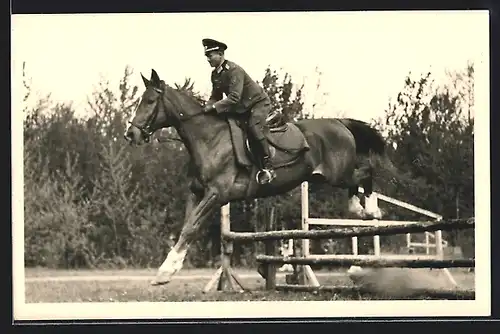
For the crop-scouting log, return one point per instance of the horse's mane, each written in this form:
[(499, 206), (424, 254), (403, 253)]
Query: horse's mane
[(187, 90)]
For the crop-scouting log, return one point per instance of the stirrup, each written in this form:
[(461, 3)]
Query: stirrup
[(265, 176)]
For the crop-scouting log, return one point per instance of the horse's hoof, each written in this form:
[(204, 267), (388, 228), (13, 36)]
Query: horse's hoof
[(158, 283), (161, 279), (358, 214), (373, 215), (356, 211)]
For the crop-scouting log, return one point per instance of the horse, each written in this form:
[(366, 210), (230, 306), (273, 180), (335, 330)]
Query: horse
[(341, 152)]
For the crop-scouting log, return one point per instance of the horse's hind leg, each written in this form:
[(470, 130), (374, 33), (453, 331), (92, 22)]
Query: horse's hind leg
[(371, 205), (359, 175), (354, 204)]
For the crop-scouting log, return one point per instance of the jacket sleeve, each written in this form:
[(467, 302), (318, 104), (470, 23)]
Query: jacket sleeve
[(215, 96), (236, 79)]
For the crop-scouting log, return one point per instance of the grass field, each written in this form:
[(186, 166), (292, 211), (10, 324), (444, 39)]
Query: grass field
[(55, 286)]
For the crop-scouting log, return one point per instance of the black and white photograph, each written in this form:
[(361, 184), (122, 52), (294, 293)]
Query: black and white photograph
[(250, 165)]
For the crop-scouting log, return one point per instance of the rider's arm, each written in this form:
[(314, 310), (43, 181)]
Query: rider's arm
[(236, 79), (215, 96)]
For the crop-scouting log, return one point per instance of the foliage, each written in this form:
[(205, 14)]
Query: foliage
[(93, 201), (432, 132), (282, 95)]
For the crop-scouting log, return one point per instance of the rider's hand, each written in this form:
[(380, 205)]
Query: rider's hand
[(208, 108)]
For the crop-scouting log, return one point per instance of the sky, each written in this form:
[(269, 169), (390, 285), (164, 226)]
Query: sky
[(363, 56)]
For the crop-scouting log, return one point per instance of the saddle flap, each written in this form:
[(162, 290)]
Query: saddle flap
[(287, 139), (238, 139)]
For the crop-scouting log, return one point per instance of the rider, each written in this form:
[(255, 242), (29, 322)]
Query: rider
[(242, 95)]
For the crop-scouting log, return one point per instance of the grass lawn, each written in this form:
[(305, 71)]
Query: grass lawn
[(54, 286)]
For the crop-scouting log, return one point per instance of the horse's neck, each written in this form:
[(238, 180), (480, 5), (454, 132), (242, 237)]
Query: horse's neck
[(201, 135)]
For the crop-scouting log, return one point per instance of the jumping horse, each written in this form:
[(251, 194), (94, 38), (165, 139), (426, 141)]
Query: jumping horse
[(341, 152)]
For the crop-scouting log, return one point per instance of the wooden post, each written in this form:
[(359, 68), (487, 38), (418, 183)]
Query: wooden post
[(354, 241), (376, 238), (303, 249), (271, 249), (439, 244), (427, 243), (304, 273), (376, 245), (226, 248), (440, 256), (224, 276)]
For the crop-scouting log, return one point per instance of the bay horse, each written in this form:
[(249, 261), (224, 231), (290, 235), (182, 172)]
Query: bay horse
[(340, 152)]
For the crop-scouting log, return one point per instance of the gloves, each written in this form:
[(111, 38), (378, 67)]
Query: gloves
[(208, 108)]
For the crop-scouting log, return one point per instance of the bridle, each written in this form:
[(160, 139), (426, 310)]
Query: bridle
[(147, 129)]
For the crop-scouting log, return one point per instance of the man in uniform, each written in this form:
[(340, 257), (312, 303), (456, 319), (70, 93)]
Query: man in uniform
[(242, 95)]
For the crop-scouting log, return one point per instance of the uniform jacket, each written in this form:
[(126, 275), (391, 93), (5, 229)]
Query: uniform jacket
[(241, 91)]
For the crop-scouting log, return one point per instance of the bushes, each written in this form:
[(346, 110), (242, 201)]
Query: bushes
[(93, 201)]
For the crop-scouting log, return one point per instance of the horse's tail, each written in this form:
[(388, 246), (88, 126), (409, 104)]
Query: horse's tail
[(368, 140), (370, 143)]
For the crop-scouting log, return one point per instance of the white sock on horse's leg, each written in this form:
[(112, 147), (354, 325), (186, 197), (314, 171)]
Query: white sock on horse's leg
[(354, 206), (371, 207), (174, 260), (172, 265)]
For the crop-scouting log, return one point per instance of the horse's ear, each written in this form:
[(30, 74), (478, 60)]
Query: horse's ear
[(155, 78), (146, 81)]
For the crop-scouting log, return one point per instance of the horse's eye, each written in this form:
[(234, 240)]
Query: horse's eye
[(151, 101)]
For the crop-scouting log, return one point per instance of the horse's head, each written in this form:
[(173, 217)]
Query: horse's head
[(151, 113), (160, 106)]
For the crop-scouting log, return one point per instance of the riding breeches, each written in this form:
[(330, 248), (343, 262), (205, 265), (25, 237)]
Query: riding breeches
[(257, 120)]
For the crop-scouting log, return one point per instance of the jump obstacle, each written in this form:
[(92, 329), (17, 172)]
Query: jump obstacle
[(304, 278)]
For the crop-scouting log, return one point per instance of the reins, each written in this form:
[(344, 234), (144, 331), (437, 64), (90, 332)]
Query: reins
[(147, 129)]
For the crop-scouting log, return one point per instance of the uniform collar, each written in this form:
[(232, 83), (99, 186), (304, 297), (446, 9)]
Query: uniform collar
[(221, 67)]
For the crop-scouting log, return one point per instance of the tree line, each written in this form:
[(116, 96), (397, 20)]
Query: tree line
[(91, 200)]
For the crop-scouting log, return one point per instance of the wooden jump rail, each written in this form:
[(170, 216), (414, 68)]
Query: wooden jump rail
[(371, 261), (305, 273), (348, 232), (227, 279)]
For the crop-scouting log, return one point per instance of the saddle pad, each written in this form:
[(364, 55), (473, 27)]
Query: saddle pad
[(289, 144)]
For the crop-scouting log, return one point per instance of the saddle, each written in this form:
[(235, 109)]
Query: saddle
[(286, 142)]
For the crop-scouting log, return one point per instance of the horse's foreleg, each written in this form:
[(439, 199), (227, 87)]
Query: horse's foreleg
[(190, 232)]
